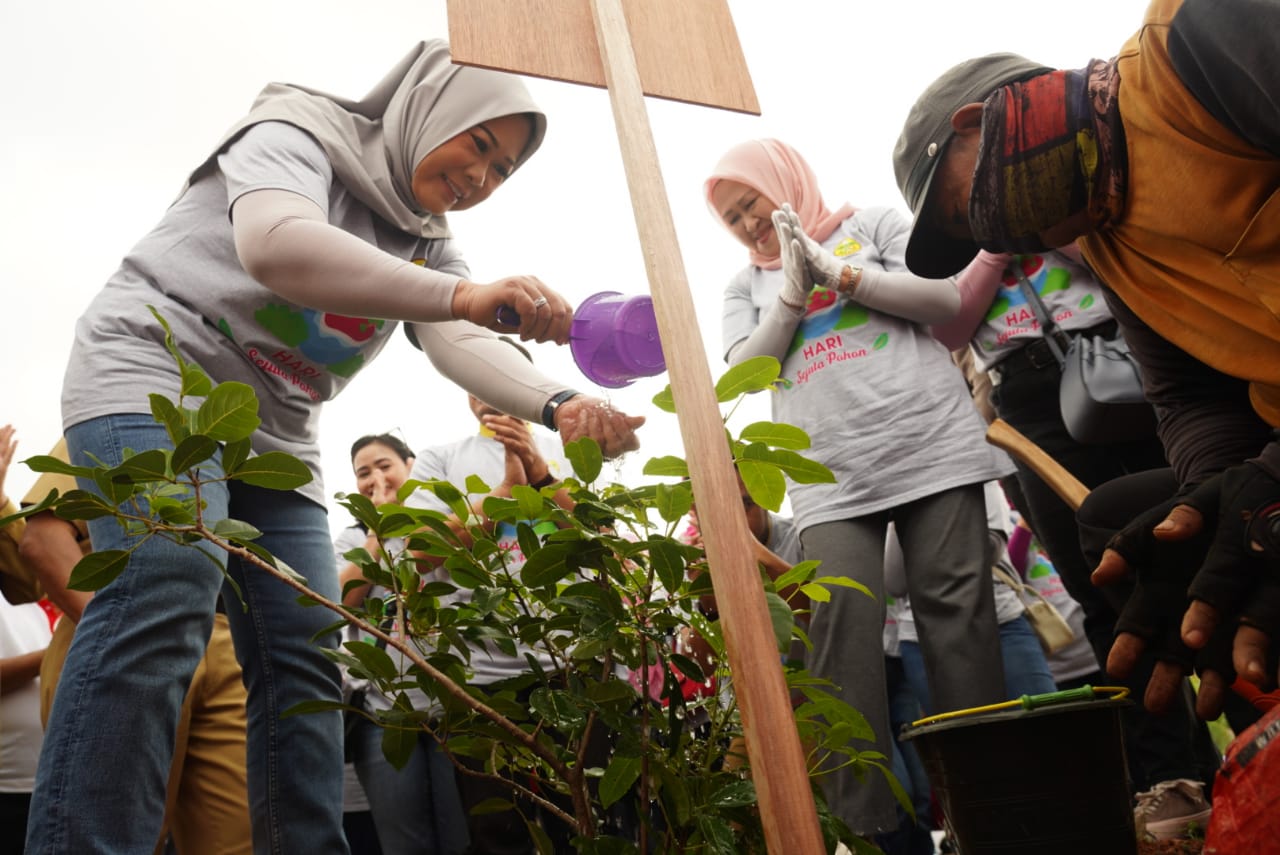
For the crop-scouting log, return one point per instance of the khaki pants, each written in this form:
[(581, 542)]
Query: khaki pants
[(207, 805)]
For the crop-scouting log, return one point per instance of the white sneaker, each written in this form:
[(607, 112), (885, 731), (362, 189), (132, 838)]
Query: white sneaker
[(1172, 809)]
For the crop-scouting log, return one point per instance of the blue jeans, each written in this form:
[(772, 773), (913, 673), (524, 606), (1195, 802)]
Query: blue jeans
[(100, 785), (417, 810), (1026, 672)]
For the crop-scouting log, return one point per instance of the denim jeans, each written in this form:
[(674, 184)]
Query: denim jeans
[(417, 810), (1026, 672), (101, 780)]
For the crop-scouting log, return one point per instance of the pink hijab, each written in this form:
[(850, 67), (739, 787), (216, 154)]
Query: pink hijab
[(779, 172)]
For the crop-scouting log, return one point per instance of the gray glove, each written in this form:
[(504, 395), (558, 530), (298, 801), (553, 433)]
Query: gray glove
[(824, 268), (797, 282)]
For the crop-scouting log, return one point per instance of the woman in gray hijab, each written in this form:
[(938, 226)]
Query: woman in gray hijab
[(286, 262)]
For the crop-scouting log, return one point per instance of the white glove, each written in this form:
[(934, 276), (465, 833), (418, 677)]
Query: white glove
[(824, 268), (797, 282)]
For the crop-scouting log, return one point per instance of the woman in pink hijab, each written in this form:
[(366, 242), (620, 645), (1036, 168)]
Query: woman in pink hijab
[(828, 294)]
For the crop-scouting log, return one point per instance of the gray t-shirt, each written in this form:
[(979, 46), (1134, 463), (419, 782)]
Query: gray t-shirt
[(884, 406), (1071, 296), (235, 328)]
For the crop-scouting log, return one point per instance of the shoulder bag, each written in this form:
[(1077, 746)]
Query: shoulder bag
[(1100, 392)]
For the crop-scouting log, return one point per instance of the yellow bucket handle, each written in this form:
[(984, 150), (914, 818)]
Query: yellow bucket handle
[(1030, 702)]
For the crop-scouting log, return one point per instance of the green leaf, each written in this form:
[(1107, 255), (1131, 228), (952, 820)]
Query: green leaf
[(229, 413), (799, 469), (235, 530), (148, 466), (665, 401), (398, 745), (172, 511), (373, 658), (527, 538), (718, 834), (782, 617), (175, 420), (234, 454), (816, 593), (193, 451), (114, 485), (751, 375), (274, 470), (546, 566), (667, 467), (97, 569), (736, 794), (764, 483), (32, 510), (799, 572), (195, 383), (585, 456), (168, 336), (843, 582), (674, 500), (557, 708), (675, 792), (621, 773), (689, 667), (668, 562), (490, 806), (776, 435), (528, 500), (45, 463), (83, 505)]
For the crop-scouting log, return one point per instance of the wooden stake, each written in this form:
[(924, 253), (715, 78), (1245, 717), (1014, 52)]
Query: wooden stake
[(773, 745)]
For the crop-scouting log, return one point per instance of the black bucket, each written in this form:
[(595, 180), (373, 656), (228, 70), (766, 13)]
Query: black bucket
[(1046, 777)]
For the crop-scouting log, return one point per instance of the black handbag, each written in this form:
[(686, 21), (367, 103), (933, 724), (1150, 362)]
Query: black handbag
[(1100, 392)]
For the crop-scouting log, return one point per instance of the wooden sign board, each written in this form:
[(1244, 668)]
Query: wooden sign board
[(685, 50)]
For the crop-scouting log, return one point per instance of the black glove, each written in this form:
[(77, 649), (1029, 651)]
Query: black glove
[(1164, 570), (1241, 574)]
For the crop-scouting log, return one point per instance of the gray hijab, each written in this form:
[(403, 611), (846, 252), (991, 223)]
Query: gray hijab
[(375, 143)]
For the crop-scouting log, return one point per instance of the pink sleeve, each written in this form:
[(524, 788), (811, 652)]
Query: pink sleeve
[(1019, 541), (977, 285)]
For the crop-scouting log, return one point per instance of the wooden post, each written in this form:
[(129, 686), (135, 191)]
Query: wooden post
[(777, 761), (685, 50)]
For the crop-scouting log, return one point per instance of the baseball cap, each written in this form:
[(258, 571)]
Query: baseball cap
[(924, 138)]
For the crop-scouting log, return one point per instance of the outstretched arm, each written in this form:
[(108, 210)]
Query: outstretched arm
[(977, 285)]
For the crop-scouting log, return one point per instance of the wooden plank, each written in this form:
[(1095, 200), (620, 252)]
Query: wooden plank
[(773, 745), (685, 50)]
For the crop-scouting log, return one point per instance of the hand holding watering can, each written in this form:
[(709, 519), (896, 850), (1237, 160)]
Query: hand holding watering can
[(613, 337)]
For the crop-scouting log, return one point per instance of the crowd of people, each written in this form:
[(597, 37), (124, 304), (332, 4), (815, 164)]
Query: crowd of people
[(1134, 195)]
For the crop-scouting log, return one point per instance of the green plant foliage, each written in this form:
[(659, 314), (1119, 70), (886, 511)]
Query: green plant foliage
[(601, 590)]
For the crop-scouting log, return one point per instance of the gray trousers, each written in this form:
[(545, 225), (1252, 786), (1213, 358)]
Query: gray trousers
[(948, 559)]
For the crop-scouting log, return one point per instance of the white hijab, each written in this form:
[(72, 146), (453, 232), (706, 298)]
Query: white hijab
[(375, 143)]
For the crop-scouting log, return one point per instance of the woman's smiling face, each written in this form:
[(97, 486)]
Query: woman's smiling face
[(380, 472), (463, 171), (748, 214)]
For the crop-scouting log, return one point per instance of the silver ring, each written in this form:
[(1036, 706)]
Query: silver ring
[(540, 302)]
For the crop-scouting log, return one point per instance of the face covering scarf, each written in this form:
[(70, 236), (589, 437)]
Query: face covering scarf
[(1051, 147)]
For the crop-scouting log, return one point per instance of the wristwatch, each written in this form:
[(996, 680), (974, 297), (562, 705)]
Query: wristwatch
[(549, 409)]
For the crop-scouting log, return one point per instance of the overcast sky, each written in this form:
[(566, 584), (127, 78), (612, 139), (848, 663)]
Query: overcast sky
[(109, 105)]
